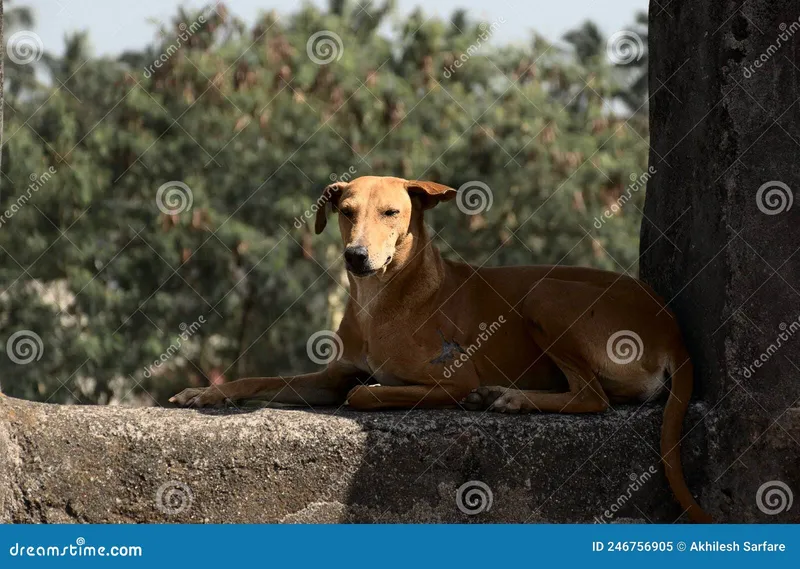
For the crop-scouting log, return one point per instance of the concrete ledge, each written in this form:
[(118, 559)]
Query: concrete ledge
[(105, 464)]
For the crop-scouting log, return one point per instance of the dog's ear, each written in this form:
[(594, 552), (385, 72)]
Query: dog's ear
[(330, 195), (429, 193)]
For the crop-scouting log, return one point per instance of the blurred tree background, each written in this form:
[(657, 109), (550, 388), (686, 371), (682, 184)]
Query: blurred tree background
[(249, 124)]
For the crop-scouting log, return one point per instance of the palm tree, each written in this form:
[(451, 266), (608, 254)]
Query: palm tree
[(589, 47), (20, 77), (587, 41), (635, 95)]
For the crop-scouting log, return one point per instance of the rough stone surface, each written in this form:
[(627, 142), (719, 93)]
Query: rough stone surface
[(721, 128), (106, 464)]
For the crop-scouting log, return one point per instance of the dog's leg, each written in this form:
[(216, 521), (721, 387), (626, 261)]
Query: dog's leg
[(584, 396), (327, 387), (566, 320), (405, 397)]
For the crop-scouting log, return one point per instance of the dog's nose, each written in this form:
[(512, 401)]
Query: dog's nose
[(356, 258)]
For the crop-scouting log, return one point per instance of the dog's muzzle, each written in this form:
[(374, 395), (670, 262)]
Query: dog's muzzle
[(356, 259)]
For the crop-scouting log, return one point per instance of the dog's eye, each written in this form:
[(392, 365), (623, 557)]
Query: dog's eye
[(391, 212), (348, 213)]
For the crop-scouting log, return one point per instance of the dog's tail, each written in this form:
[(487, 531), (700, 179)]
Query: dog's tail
[(682, 380)]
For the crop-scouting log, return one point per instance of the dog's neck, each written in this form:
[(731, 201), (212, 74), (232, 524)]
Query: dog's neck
[(414, 281)]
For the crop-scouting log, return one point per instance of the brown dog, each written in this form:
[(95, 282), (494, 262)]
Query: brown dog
[(435, 333)]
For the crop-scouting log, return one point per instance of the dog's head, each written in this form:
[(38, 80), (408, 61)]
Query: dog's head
[(380, 219)]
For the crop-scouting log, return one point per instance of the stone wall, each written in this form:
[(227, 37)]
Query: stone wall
[(105, 464)]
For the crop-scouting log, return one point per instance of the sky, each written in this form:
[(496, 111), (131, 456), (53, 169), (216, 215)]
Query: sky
[(119, 25)]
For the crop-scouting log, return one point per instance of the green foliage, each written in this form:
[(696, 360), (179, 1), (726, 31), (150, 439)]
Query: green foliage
[(255, 128)]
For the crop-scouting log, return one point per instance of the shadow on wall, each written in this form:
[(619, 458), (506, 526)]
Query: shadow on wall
[(460, 467)]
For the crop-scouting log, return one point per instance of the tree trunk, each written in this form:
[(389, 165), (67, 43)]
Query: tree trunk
[(720, 238)]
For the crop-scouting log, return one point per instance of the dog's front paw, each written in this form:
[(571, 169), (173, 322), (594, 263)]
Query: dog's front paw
[(198, 397), (494, 398), (359, 398), (186, 396)]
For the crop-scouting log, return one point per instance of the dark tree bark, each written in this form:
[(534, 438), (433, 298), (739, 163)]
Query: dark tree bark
[(721, 238)]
